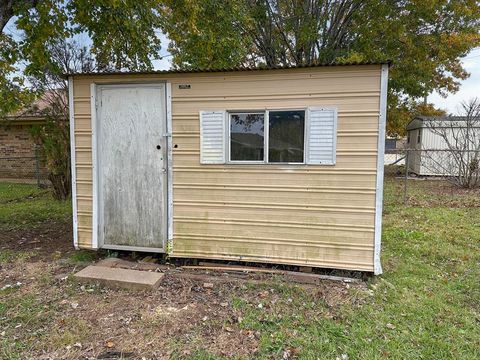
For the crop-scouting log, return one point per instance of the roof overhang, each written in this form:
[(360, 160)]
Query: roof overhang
[(230, 69)]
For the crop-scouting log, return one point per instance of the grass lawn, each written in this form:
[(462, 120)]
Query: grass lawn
[(23, 206), (426, 305)]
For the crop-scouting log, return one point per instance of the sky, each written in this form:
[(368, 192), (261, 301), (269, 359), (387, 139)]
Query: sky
[(469, 88)]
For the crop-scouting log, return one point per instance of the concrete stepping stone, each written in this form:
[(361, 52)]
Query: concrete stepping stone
[(120, 278)]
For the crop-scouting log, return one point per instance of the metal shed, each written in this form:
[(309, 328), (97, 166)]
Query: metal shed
[(429, 153), (280, 165)]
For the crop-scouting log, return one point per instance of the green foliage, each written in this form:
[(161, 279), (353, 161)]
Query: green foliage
[(208, 32), (425, 39), (54, 138), (123, 34)]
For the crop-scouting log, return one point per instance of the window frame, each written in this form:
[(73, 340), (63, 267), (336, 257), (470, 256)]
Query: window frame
[(266, 134)]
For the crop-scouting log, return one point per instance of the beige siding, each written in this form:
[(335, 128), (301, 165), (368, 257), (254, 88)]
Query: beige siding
[(293, 214)]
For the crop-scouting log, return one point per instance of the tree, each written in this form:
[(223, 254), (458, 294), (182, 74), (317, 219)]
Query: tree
[(425, 39), (123, 34), (405, 111), (459, 159), (54, 136)]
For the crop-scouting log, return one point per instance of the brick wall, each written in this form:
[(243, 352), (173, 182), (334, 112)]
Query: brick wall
[(17, 153)]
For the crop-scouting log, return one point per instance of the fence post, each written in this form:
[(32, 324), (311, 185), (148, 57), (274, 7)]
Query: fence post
[(406, 178), (37, 167)]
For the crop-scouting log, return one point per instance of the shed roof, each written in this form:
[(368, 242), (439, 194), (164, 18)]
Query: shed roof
[(423, 121), (230, 69)]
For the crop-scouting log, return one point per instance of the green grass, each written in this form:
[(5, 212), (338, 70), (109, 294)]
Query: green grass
[(426, 305), (24, 206), (80, 257)]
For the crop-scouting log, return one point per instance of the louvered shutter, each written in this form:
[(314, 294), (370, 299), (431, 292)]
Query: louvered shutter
[(212, 137), (321, 136)]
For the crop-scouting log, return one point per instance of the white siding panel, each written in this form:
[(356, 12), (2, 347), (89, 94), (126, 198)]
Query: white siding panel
[(321, 136), (212, 137)]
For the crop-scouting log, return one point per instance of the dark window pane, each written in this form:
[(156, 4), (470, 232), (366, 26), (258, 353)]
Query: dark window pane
[(286, 136), (246, 137)]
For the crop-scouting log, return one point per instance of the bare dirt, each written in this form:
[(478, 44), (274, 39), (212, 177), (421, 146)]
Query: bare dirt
[(44, 241), (47, 315)]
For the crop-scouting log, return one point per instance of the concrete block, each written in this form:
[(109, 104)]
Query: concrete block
[(120, 278)]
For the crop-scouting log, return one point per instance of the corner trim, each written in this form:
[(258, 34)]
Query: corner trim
[(93, 111), (73, 170), (377, 266), (168, 105)]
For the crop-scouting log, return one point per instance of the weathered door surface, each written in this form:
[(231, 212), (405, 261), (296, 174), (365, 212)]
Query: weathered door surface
[(131, 166)]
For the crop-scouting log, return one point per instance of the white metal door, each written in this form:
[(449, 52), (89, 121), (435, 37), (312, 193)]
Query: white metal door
[(131, 166)]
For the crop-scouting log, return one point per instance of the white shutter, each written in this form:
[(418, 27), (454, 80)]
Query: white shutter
[(321, 136), (212, 137)]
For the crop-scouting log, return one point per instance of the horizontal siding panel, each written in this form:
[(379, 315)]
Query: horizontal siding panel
[(83, 140), (287, 179), (278, 215), (293, 230), (297, 207), (84, 221), (368, 106), (258, 241), (84, 173), (307, 198), (320, 257), (85, 205)]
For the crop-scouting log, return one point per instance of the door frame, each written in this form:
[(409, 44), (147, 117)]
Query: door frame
[(97, 241)]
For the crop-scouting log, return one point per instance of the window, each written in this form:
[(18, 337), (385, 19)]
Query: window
[(286, 136), (296, 136), (419, 136), (285, 142), (247, 136)]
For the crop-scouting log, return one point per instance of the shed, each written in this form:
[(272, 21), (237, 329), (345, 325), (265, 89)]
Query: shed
[(429, 153), (281, 165)]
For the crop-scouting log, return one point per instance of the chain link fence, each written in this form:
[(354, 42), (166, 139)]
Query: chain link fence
[(429, 178), (24, 170)]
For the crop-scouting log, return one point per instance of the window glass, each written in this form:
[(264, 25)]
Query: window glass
[(286, 136), (246, 137)]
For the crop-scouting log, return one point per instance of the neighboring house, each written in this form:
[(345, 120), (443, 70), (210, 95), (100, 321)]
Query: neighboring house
[(20, 159), (18, 153), (430, 154), (281, 165)]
